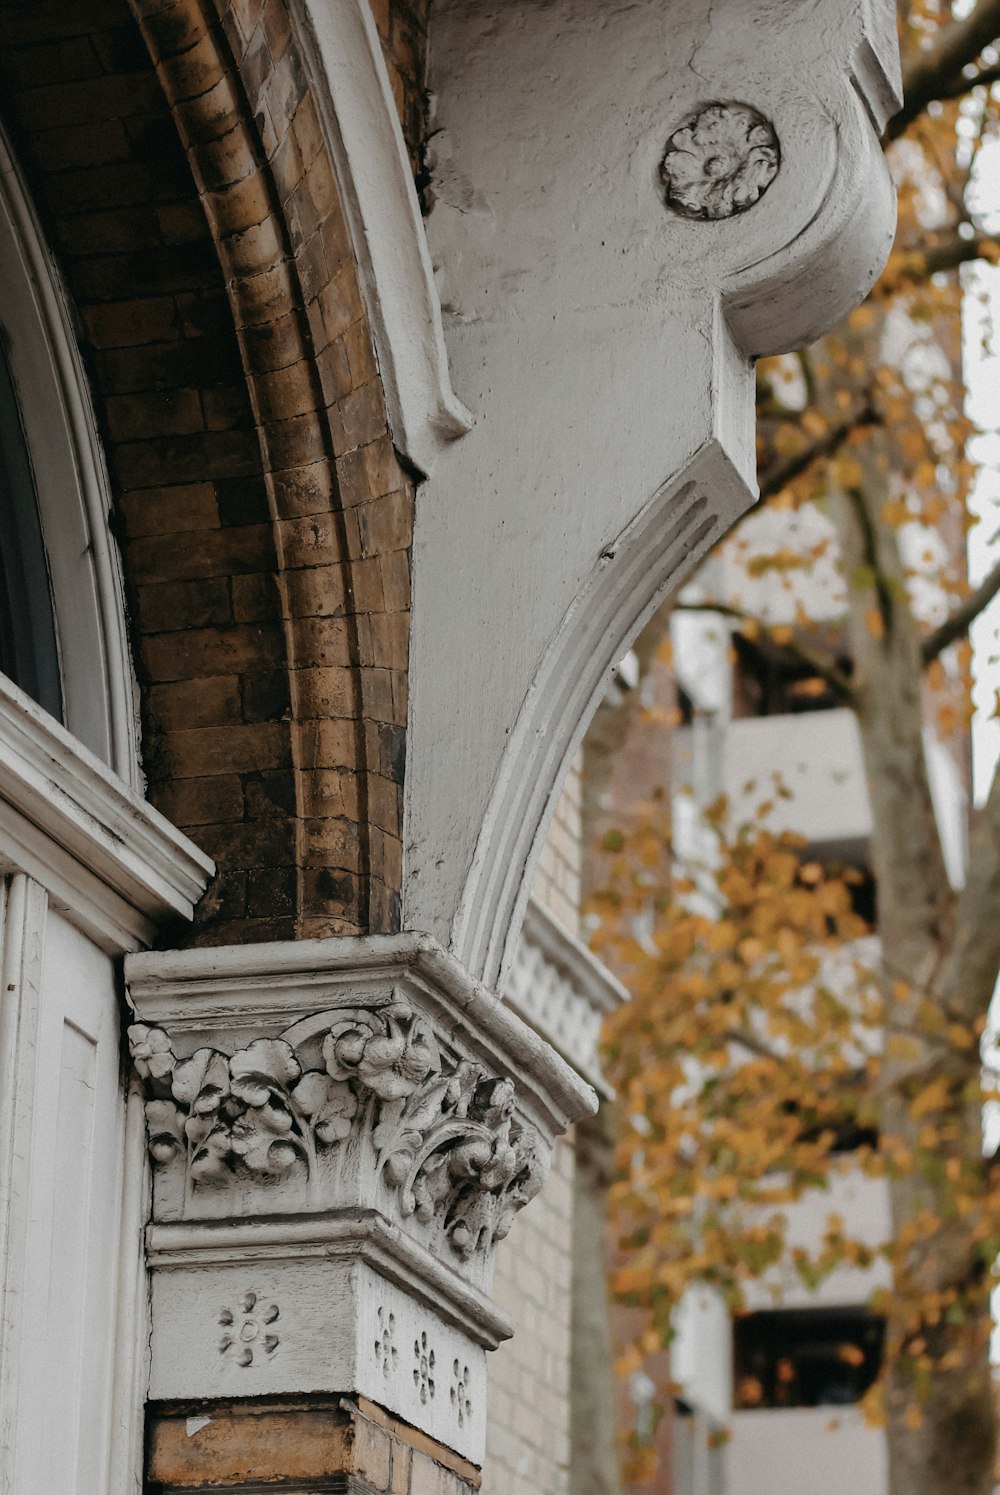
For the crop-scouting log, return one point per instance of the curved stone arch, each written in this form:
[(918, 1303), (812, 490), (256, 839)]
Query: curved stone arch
[(72, 487), (349, 78), (761, 282), (271, 196)]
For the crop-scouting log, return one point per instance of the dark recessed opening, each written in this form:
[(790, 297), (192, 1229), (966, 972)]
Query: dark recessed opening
[(812, 1357)]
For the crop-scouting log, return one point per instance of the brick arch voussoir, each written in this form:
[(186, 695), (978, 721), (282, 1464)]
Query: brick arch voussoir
[(340, 505)]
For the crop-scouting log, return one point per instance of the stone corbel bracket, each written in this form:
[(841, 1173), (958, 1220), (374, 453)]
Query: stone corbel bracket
[(633, 200), (340, 1131)]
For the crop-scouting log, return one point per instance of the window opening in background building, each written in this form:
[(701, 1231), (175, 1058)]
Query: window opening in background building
[(29, 653), (769, 680), (810, 1357)]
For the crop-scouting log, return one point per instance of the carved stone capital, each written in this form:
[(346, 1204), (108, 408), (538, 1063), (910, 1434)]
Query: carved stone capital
[(340, 1133)]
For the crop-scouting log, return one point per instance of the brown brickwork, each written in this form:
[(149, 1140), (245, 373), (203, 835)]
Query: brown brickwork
[(319, 1444), (265, 521), (403, 27)]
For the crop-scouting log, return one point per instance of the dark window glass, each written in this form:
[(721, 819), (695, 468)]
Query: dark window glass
[(769, 680), (815, 1357), (28, 652)]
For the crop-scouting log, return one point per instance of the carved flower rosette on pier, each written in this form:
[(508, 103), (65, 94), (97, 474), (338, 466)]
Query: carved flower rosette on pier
[(358, 1107)]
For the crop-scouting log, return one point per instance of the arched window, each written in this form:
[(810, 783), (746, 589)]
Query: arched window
[(63, 637), (29, 654)]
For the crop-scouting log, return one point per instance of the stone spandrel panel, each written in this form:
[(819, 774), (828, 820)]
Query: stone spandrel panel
[(340, 1133)]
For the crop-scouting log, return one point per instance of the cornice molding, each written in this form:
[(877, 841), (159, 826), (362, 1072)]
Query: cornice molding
[(364, 1235), (247, 989), (106, 856)]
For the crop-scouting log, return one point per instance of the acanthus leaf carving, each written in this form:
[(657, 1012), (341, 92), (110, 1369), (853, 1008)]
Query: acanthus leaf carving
[(393, 1110)]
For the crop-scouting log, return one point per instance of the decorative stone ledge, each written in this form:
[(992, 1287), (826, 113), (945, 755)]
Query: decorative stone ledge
[(562, 991), (96, 846), (341, 1131)]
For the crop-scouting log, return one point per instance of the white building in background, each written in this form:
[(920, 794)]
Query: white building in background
[(782, 1383)]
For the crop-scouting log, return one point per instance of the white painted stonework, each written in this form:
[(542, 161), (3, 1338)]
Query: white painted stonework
[(604, 343), (341, 45), (563, 992), (341, 1130), (88, 871)]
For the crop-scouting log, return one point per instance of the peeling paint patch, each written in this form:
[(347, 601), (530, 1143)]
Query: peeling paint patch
[(195, 1425)]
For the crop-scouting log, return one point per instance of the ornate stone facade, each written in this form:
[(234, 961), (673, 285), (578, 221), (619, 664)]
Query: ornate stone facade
[(238, 349), (340, 1134)]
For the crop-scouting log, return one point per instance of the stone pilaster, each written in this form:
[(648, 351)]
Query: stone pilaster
[(341, 1131)]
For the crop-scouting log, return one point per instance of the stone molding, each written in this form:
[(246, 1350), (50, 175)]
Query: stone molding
[(351, 84), (341, 1130), (562, 991), (345, 1099), (94, 844)]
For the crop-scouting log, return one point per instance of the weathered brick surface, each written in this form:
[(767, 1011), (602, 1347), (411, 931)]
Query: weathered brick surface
[(181, 172), (403, 27), (299, 1447)]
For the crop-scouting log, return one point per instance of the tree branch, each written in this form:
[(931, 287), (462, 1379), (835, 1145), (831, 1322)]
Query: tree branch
[(785, 471), (962, 618), (913, 266), (825, 665), (932, 73), (975, 956), (960, 86)]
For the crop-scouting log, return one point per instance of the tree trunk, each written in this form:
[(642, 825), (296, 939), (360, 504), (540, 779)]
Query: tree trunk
[(940, 1413)]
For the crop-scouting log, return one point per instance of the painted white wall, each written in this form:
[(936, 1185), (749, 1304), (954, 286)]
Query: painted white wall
[(61, 1277), (805, 1451), (701, 1361), (818, 756)]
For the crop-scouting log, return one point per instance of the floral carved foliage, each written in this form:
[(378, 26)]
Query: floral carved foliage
[(391, 1104), (720, 161)]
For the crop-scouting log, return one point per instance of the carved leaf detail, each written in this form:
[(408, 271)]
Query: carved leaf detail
[(442, 1134), (264, 1067), (211, 1157), (165, 1128), (202, 1082), (390, 1052), (262, 1138), (330, 1106)]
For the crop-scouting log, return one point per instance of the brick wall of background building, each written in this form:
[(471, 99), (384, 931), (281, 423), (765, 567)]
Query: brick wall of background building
[(527, 1446), (557, 882), (527, 1443)]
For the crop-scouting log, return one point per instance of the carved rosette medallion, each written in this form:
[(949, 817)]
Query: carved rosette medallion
[(720, 161), (372, 1109)]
